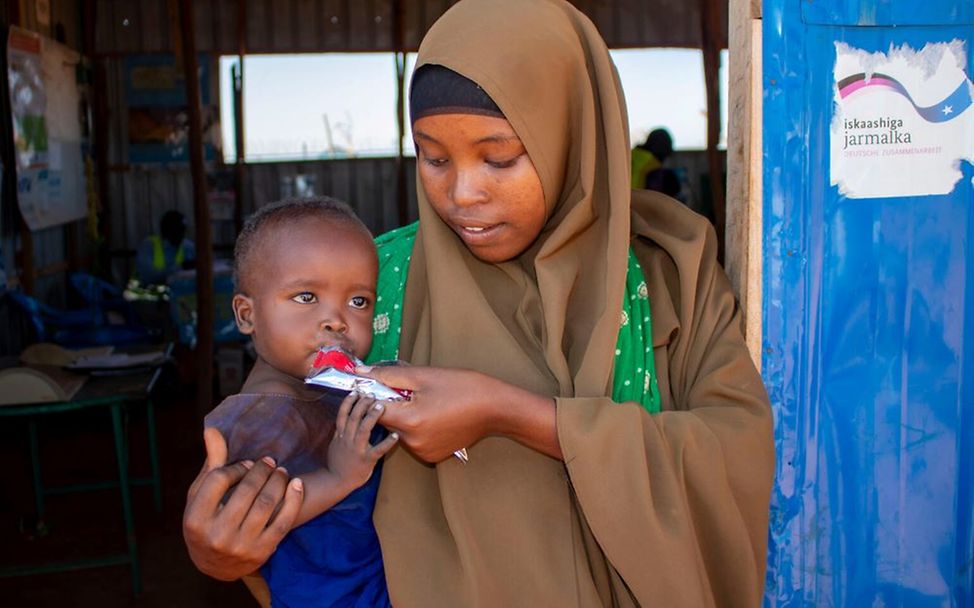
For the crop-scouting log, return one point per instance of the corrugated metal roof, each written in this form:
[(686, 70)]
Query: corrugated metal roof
[(294, 26)]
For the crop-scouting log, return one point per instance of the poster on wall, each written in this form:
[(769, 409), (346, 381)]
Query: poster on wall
[(158, 118), (902, 122), (44, 102)]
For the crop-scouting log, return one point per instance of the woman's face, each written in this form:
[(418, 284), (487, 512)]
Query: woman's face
[(480, 181)]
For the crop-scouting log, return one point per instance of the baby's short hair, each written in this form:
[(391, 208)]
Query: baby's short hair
[(283, 212)]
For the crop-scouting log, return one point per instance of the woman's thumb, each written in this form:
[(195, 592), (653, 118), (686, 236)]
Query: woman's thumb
[(390, 375), (216, 448)]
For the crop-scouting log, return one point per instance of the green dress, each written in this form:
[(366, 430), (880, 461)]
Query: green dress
[(634, 375)]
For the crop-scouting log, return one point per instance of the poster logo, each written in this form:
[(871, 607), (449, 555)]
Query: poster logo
[(902, 120), (948, 109)]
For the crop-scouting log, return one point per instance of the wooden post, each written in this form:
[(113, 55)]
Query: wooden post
[(402, 197), (204, 248), (711, 43), (71, 246), (238, 117), (744, 167), (99, 136), (25, 258)]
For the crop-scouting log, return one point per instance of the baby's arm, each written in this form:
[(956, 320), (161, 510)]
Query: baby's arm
[(351, 458)]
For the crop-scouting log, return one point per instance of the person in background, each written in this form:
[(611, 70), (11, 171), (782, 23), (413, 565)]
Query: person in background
[(648, 160), (160, 255)]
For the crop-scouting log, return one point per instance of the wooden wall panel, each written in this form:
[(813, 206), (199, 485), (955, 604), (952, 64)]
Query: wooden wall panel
[(744, 169), (138, 195)]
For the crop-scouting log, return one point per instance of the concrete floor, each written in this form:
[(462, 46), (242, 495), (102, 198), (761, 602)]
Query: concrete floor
[(76, 449)]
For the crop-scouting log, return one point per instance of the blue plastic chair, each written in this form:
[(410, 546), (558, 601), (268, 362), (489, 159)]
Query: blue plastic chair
[(102, 297), (76, 328)]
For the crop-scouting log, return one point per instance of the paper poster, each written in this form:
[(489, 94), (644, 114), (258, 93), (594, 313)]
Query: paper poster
[(903, 121), (158, 120), (44, 103)]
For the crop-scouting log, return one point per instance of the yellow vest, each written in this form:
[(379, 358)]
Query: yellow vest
[(643, 162), (159, 256)]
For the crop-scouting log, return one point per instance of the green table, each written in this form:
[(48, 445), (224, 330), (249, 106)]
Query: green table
[(117, 393)]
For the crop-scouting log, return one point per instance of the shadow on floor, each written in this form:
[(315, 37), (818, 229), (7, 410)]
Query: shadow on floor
[(78, 449)]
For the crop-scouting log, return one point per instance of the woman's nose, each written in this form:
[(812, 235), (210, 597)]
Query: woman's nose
[(468, 188)]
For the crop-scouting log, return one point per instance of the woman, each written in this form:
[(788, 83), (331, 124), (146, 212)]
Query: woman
[(531, 265)]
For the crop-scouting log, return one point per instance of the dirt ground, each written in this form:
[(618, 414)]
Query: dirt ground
[(78, 448)]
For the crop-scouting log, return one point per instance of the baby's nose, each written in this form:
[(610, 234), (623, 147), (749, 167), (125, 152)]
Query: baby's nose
[(334, 325)]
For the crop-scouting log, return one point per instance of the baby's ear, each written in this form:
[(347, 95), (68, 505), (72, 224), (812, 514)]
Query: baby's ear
[(243, 312)]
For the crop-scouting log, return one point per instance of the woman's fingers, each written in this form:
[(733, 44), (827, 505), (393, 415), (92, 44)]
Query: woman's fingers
[(248, 487), (398, 415), (204, 499), (216, 448), (204, 526), (282, 523), (216, 457), (395, 376), (266, 501)]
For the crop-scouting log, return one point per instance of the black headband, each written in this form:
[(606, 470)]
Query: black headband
[(439, 90)]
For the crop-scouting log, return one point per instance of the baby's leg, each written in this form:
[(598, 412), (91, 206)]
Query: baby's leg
[(258, 588)]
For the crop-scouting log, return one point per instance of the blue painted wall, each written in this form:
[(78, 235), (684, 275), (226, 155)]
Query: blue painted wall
[(868, 336)]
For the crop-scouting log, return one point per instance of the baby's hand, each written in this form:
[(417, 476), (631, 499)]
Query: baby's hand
[(351, 457)]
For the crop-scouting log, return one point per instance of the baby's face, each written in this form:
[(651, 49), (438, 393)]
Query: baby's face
[(312, 284)]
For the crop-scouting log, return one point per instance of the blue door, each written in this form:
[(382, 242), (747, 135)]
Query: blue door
[(868, 337)]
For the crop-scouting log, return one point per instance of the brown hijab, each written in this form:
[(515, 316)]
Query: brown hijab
[(538, 321)]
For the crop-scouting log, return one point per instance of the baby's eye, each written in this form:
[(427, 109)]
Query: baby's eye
[(359, 302), (305, 297)]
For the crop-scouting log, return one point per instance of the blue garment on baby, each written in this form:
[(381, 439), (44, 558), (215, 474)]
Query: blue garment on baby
[(333, 560)]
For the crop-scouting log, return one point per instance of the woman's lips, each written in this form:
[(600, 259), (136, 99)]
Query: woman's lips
[(478, 234)]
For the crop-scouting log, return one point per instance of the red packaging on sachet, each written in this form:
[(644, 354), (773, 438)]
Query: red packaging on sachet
[(334, 368)]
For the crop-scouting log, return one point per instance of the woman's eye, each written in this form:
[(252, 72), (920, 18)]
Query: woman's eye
[(434, 162), (305, 297), (359, 302), (503, 164)]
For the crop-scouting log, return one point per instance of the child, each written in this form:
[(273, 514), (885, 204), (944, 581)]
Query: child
[(305, 274)]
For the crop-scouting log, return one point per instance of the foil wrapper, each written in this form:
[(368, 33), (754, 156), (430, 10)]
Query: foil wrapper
[(343, 381), (334, 369)]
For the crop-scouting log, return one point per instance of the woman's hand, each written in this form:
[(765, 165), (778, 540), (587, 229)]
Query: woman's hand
[(227, 541), (452, 409)]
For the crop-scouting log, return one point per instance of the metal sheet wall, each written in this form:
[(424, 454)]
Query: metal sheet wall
[(140, 195), (292, 26)]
